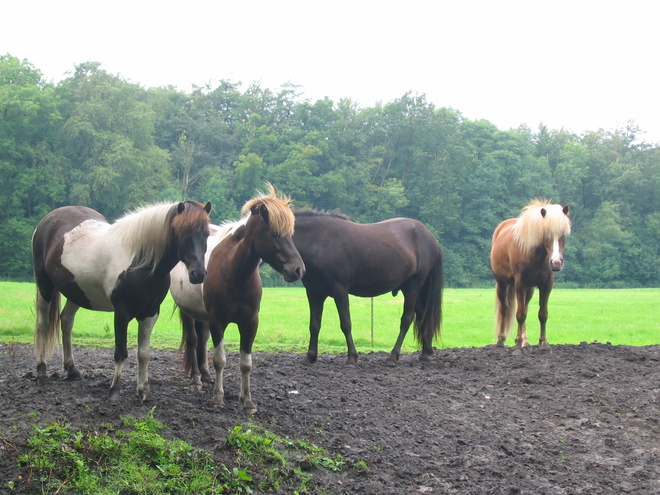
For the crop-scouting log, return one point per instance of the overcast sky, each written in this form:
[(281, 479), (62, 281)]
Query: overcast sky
[(578, 65)]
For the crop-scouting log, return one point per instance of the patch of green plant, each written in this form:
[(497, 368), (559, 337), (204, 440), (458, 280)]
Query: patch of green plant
[(131, 459), (274, 459)]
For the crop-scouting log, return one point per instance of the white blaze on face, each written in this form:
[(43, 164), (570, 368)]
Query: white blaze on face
[(555, 257)]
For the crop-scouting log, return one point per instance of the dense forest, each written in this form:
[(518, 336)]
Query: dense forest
[(98, 140)]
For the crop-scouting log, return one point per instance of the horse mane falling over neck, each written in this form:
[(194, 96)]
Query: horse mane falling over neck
[(280, 216), (147, 231), (539, 221)]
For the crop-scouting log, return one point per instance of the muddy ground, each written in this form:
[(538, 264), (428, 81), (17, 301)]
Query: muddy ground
[(580, 419)]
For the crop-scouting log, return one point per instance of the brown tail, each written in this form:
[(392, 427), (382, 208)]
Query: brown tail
[(188, 342), (504, 323)]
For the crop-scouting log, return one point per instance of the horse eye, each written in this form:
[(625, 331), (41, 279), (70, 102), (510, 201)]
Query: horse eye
[(275, 234)]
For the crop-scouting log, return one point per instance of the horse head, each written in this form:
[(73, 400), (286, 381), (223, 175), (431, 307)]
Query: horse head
[(273, 221), (555, 239), (190, 226)]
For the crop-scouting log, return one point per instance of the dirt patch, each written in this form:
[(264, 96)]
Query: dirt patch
[(580, 419)]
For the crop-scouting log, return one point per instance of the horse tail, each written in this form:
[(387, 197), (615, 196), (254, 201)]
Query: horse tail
[(46, 342), (504, 323), (188, 342), (428, 315)]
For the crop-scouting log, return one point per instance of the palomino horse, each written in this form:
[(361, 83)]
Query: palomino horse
[(342, 257), (122, 267), (527, 252), (232, 290)]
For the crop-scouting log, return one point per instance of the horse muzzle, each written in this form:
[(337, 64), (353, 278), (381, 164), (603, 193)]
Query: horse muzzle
[(556, 265), (196, 276), (293, 274)]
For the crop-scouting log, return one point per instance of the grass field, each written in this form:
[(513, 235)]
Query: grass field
[(618, 316)]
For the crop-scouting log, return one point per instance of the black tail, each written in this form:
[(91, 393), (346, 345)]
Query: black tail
[(428, 312)]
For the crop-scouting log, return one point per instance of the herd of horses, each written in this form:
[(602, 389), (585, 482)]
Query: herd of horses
[(212, 272)]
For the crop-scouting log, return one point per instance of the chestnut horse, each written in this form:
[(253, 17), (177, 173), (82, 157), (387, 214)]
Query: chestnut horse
[(342, 257), (122, 267), (232, 291), (526, 253)]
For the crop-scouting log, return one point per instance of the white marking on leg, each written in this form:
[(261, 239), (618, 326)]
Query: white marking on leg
[(143, 354), (246, 369), (219, 362)]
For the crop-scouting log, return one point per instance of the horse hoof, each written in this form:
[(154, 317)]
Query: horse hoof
[(206, 378), (250, 410), (73, 376), (42, 381), (146, 397), (115, 396), (544, 348), (196, 383), (308, 361)]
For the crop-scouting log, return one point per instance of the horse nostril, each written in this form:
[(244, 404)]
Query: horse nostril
[(298, 271)]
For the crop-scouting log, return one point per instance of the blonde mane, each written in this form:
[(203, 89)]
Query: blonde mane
[(146, 232), (280, 216), (533, 228)]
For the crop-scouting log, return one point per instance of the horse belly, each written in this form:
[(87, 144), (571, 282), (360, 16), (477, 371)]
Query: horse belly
[(187, 296)]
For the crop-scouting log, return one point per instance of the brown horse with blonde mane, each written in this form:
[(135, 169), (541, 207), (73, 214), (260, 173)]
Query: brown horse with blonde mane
[(526, 253), (232, 290)]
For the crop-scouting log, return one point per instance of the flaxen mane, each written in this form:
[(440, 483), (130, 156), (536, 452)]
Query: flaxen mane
[(533, 228), (280, 216), (146, 232)]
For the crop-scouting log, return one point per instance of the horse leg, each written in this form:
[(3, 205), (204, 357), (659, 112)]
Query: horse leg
[(67, 318), (121, 352), (406, 321), (248, 332), (316, 302), (544, 296), (503, 291), (523, 296), (217, 330), (145, 326), (203, 334), (344, 311), (190, 348)]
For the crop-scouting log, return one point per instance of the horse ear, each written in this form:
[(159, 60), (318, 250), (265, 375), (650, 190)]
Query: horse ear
[(207, 207), (543, 212), (565, 209), (180, 207), (263, 211)]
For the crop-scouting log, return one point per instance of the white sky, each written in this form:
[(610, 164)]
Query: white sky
[(578, 65)]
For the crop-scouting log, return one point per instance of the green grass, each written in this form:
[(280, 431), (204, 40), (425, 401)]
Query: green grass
[(618, 316)]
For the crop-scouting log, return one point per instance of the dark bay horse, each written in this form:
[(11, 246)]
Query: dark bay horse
[(526, 253), (232, 290), (122, 267), (342, 257)]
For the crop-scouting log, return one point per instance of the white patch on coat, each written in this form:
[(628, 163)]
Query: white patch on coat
[(95, 260)]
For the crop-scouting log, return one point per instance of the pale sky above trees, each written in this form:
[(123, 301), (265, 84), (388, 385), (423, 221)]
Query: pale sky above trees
[(578, 65)]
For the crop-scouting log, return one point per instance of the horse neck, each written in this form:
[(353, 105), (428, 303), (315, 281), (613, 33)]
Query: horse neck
[(168, 261), (242, 257)]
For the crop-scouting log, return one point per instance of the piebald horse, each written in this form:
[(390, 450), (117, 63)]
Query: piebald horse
[(526, 253), (122, 267), (232, 290)]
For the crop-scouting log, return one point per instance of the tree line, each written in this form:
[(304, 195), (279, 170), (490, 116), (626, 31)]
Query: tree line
[(98, 140)]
